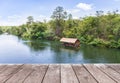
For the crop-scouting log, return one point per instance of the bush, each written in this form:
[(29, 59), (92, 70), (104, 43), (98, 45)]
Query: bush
[(56, 38), (25, 36), (113, 44), (99, 42), (95, 42), (110, 37), (82, 40), (1, 32), (118, 46)]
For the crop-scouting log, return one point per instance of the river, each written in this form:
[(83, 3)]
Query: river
[(14, 50)]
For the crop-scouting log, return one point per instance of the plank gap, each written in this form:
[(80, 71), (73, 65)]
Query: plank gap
[(27, 76), (9, 74), (75, 74), (98, 74), (112, 67), (45, 74), (90, 73), (113, 77)]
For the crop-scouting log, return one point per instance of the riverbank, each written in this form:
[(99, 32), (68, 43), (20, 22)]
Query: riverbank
[(94, 42)]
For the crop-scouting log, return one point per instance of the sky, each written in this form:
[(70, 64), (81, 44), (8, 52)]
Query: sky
[(15, 12)]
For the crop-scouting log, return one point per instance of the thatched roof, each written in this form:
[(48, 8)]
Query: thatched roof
[(69, 40)]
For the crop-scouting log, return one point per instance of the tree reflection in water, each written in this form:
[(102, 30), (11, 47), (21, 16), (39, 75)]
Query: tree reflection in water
[(36, 45)]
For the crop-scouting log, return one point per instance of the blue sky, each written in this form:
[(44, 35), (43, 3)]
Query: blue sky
[(15, 12)]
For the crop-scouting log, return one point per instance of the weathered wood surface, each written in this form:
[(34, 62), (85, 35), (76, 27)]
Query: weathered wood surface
[(52, 74), (68, 75), (60, 73), (83, 75)]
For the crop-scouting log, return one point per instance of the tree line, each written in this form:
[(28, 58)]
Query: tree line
[(99, 30)]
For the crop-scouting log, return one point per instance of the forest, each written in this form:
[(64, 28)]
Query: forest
[(102, 30)]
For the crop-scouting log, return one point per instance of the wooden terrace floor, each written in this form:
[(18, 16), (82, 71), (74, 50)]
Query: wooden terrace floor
[(60, 73)]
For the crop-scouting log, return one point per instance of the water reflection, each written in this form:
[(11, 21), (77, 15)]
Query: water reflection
[(15, 50), (100, 55), (36, 45)]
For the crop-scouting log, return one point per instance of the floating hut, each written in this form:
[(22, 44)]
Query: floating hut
[(73, 42)]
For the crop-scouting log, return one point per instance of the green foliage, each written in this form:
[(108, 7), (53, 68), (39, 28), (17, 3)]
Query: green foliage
[(118, 46), (99, 42), (58, 16), (59, 13), (82, 40), (35, 31), (100, 30), (113, 43), (1, 31)]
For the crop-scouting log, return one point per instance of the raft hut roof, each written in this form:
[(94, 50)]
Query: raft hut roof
[(69, 40)]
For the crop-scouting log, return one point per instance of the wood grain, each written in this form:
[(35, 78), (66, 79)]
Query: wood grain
[(68, 75), (37, 75), (110, 72), (83, 75), (60, 73), (52, 74), (98, 75), (8, 72), (21, 75)]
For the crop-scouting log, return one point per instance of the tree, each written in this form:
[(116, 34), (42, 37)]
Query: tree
[(99, 13), (59, 15), (70, 17), (30, 19)]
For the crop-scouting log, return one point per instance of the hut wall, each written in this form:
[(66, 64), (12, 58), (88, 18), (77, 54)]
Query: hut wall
[(77, 43)]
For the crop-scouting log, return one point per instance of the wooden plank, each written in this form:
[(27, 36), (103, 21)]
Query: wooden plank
[(21, 75), (52, 74), (60, 74), (110, 72), (68, 75), (83, 75), (98, 74), (8, 72), (37, 75), (116, 67), (2, 68)]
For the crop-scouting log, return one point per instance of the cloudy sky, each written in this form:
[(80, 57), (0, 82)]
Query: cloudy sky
[(15, 12)]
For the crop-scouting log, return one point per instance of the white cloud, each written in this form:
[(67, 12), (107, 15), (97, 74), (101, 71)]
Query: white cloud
[(13, 20), (42, 18), (78, 12), (16, 20), (84, 6), (75, 17), (73, 11)]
